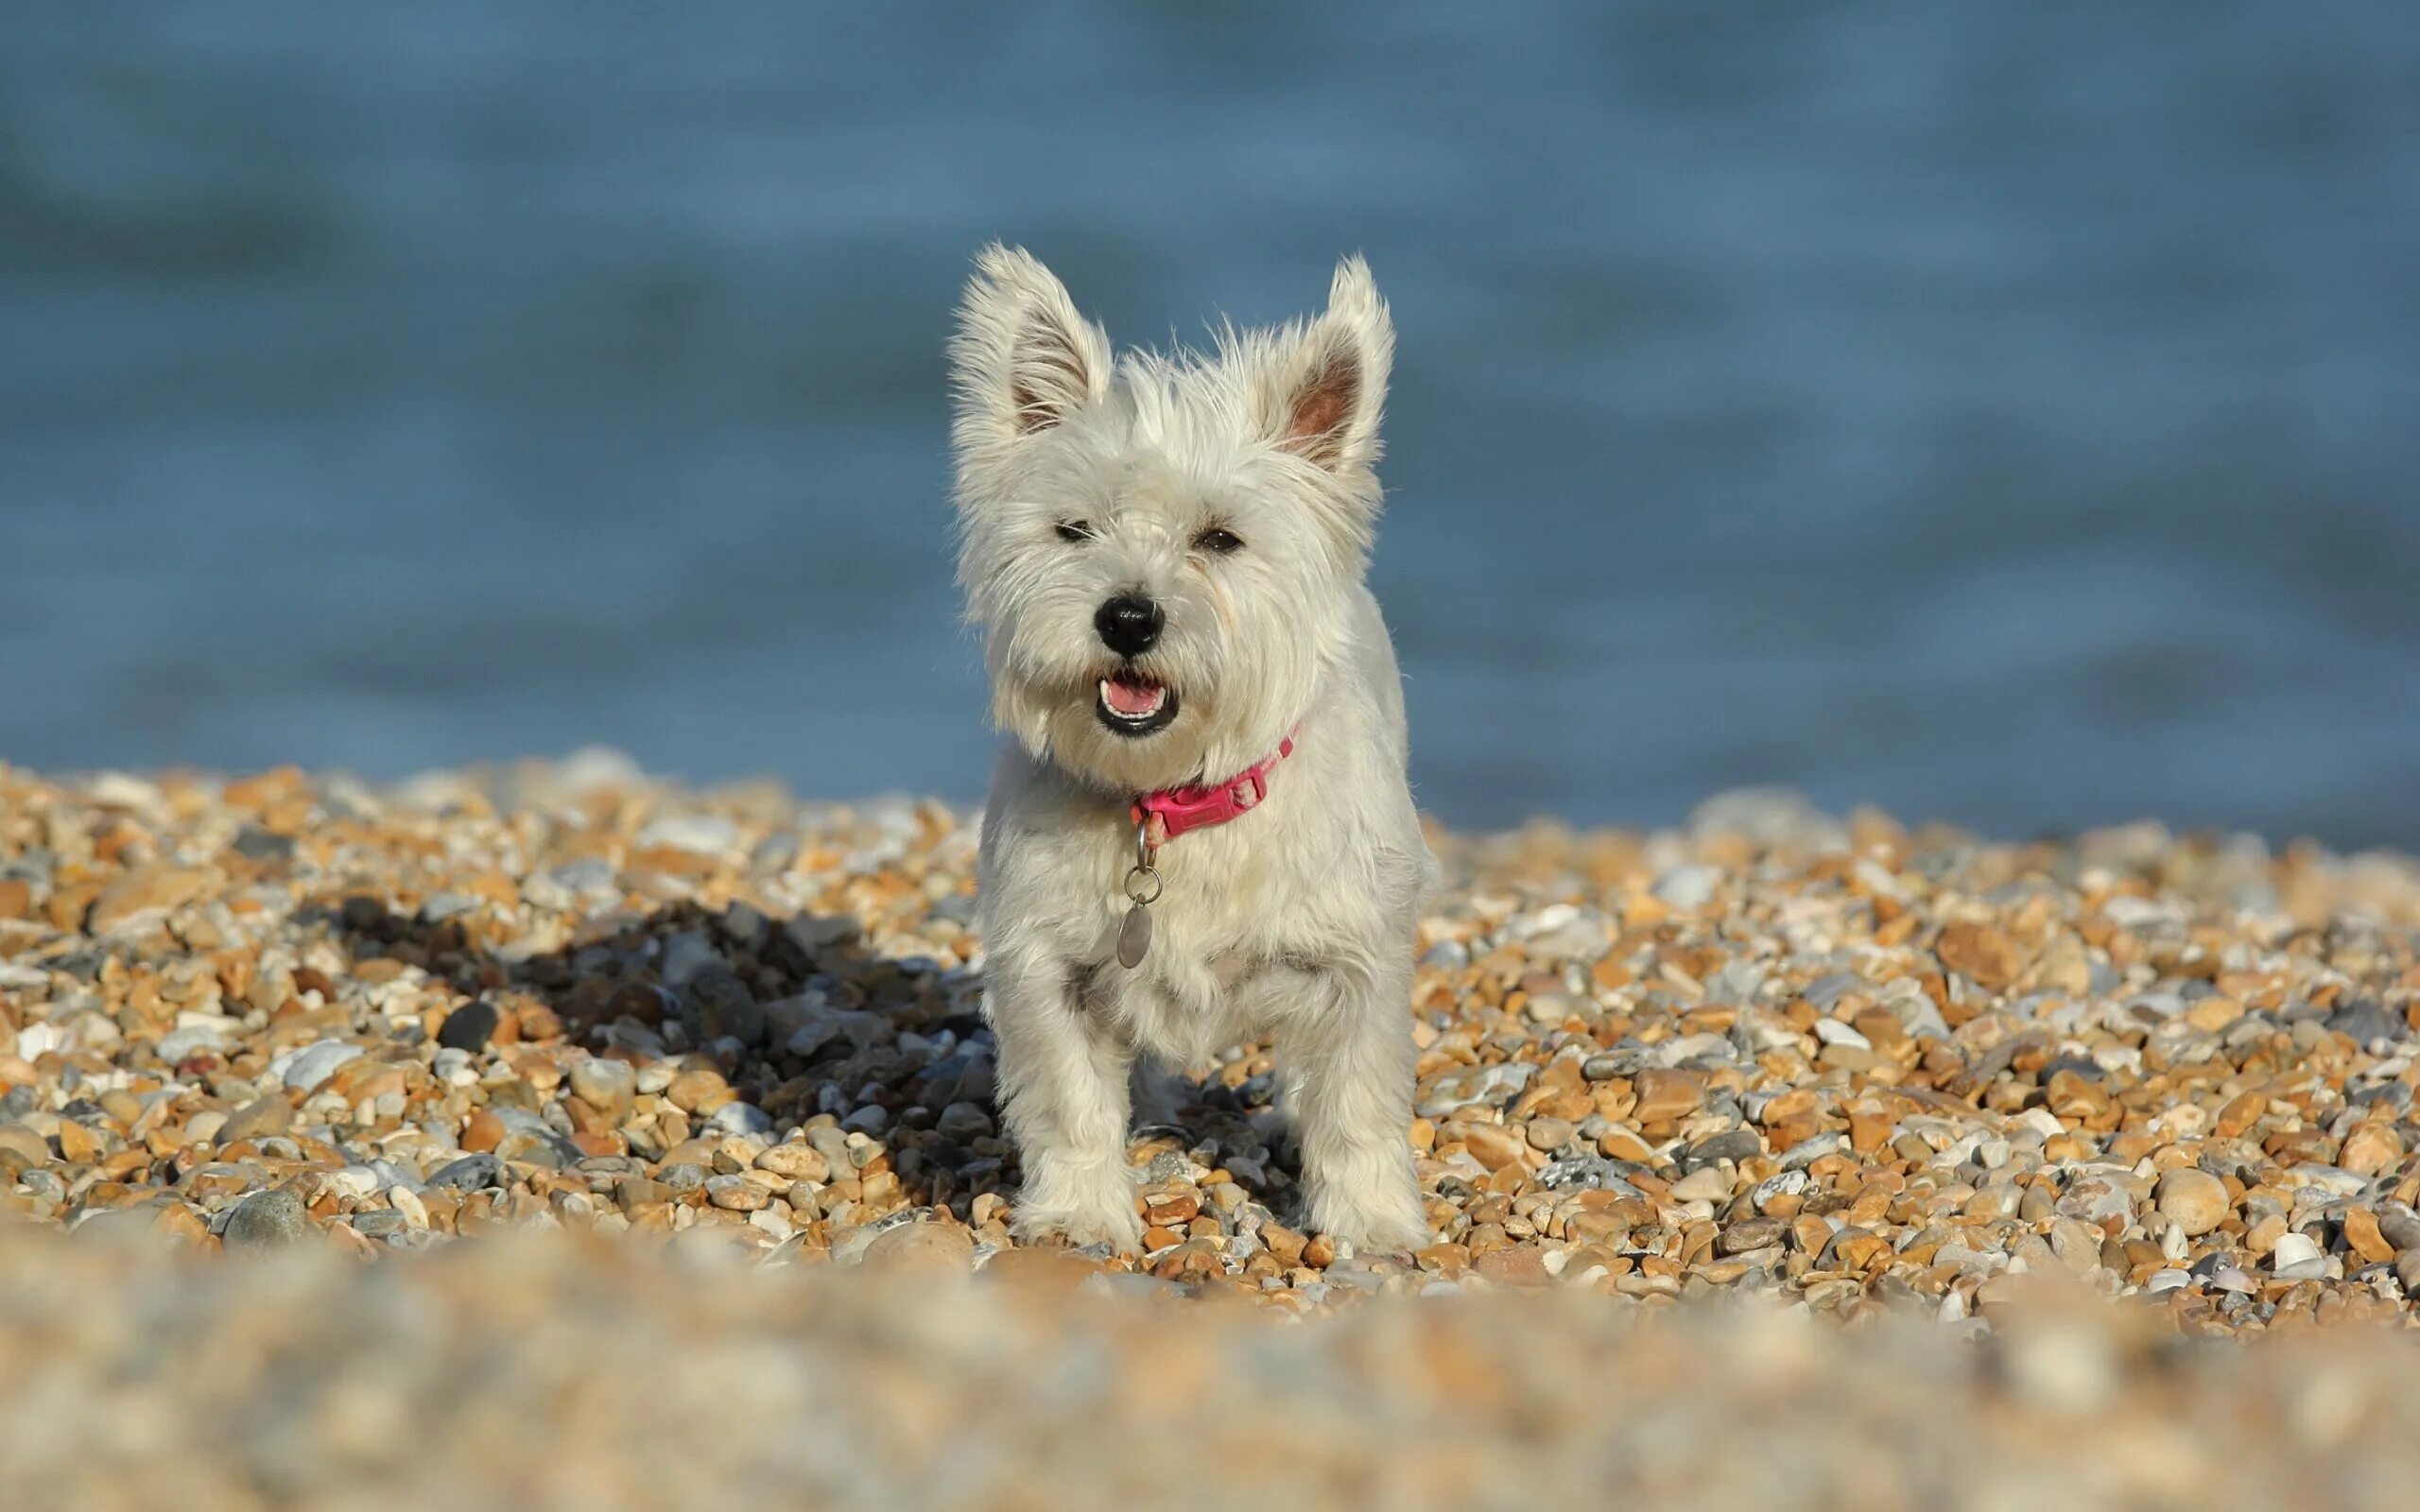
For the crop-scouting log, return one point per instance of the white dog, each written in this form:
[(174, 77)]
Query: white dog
[(1201, 831)]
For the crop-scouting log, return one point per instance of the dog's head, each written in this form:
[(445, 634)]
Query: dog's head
[(1162, 551)]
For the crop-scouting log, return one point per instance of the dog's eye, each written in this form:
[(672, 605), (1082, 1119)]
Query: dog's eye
[(1221, 540), (1075, 530)]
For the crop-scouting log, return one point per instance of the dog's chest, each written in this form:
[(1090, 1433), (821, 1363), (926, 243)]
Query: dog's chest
[(1223, 920)]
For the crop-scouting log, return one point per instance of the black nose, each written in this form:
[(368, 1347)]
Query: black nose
[(1129, 625)]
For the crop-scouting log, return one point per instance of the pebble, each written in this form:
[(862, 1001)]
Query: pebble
[(469, 1026), (468, 1174), (929, 1247), (2195, 1200), (2296, 1255), (1473, 1086), (717, 1005), (737, 1194), (313, 1066), (611, 1086), (1690, 886), (267, 1219)]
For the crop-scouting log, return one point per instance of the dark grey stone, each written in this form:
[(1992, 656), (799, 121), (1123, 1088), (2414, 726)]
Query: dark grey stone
[(1732, 1144), (2365, 1022), (717, 1005), (469, 1027), (468, 1174)]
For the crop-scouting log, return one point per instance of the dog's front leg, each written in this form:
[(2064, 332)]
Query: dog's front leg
[(1064, 1083), (1347, 1056)]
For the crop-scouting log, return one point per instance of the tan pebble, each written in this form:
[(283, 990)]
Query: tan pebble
[(2064, 967), (1493, 1145), (1621, 1145), (1515, 1265), (1667, 1094), (271, 1114), (2239, 1116), (144, 890), (698, 1092), (1997, 1200), (1042, 1268), (1171, 1206), (1551, 1133), (737, 1194), (1869, 1132), (345, 1241), (2361, 1234), (632, 1192), (77, 1144), (608, 1086), (2369, 1149), (1750, 1233), (1320, 1252), (802, 1162), (2262, 1237), (1445, 1258), (1284, 1243), (482, 1133), (2193, 1199), (29, 1148), (1705, 1185), (1856, 1248), (1980, 952), (1193, 1260), (925, 1247), (179, 1222)]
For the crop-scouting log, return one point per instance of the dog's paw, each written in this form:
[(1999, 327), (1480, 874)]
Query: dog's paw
[(1393, 1226), (1389, 1239), (1119, 1228)]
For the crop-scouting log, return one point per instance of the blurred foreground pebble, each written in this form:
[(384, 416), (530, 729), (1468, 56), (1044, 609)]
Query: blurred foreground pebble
[(535, 1372)]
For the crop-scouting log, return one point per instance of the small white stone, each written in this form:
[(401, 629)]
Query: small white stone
[(403, 1200), (354, 1182), (2292, 1249), (1704, 1184)]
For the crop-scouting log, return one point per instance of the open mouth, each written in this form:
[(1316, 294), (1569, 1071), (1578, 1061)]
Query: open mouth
[(1132, 704)]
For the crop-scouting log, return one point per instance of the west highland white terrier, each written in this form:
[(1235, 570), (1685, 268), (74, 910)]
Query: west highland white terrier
[(1201, 830)]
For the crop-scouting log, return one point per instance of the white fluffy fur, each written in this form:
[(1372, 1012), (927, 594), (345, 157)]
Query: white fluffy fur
[(1296, 918)]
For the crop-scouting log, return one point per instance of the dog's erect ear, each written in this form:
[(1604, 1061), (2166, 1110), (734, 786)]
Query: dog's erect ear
[(1330, 384), (1022, 360)]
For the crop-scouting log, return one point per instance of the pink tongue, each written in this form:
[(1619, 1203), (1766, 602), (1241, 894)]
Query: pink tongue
[(1132, 698)]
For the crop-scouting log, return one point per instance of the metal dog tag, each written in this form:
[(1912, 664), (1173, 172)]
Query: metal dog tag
[(1143, 888), (1134, 936)]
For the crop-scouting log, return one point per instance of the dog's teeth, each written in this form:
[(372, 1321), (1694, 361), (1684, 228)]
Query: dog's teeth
[(1111, 691)]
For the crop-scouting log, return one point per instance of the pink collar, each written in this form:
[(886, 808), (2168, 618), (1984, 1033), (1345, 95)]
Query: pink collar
[(1171, 811)]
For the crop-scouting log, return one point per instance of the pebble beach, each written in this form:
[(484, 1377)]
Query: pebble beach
[(689, 1091)]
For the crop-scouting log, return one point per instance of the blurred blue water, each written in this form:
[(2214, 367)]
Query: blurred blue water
[(2005, 413)]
